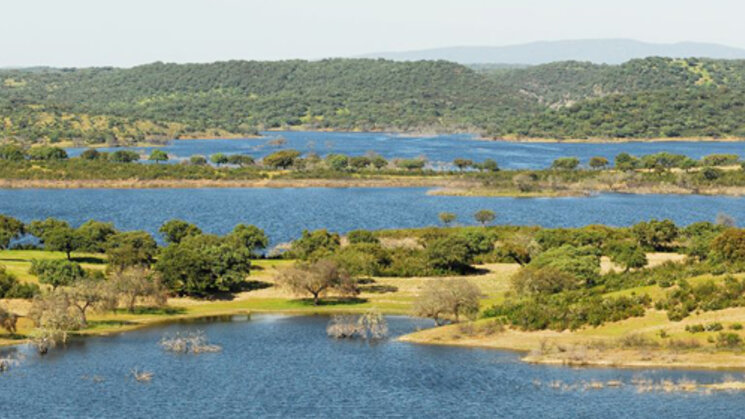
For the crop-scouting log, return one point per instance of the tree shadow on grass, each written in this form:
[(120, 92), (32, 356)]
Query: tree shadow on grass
[(99, 323), (164, 311), (379, 289), (245, 286), (93, 260), (333, 301)]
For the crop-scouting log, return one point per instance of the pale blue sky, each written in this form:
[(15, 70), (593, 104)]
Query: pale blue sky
[(131, 32)]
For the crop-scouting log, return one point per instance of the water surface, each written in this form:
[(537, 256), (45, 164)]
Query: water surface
[(440, 150), (284, 213), (275, 366)]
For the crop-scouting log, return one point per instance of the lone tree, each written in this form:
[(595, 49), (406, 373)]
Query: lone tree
[(158, 156), (485, 217), (88, 294), (448, 298), (317, 278), (447, 218)]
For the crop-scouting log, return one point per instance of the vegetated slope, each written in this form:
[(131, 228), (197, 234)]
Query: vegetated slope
[(238, 96), (653, 97)]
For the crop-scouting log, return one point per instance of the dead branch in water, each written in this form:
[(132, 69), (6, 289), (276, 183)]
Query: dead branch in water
[(194, 342)]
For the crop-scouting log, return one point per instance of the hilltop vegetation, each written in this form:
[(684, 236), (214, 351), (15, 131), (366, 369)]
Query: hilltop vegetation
[(648, 98)]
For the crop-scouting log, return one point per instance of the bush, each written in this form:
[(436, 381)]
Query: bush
[(655, 234), (362, 236), (57, 272), (728, 340), (10, 287), (729, 246), (315, 245), (565, 163), (582, 263)]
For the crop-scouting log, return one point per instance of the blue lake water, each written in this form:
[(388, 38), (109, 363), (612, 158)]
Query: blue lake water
[(284, 213), (276, 366), (440, 150)]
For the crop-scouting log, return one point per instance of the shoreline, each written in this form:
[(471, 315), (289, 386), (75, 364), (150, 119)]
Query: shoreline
[(438, 186)]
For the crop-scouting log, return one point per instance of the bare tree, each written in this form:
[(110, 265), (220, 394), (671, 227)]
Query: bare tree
[(453, 298), (88, 294), (137, 284), (317, 279), (54, 317), (8, 320)]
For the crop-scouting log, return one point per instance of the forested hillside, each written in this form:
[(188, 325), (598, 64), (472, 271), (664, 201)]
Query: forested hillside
[(654, 97)]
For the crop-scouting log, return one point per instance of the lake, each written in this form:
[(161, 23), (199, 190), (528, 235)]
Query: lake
[(278, 366), (284, 213), (440, 150)]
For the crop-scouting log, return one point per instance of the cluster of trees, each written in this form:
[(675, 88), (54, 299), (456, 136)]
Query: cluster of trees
[(639, 99), (660, 162)]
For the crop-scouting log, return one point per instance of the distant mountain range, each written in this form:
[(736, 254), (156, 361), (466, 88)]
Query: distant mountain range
[(599, 51)]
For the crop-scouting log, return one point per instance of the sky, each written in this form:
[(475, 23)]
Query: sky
[(124, 33)]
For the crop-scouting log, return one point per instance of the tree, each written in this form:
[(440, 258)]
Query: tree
[(546, 280), (626, 162), (450, 254), (11, 152), (453, 297), (197, 160), (521, 248), (54, 316), (565, 163), (582, 263), (11, 287), (362, 236), (124, 156), (598, 163), (132, 248), (93, 235), (337, 162), (219, 159), (462, 164), (8, 321), (203, 265), (56, 235), (315, 245), (158, 156), (45, 153), (10, 229), (174, 231), (57, 272), (490, 165), (89, 293), (411, 164), (281, 159), (447, 218), (91, 154), (485, 217), (729, 246), (137, 284), (655, 234), (248, 237), (317, 278), (242, 160), (628, 255), (359, 162), (378, 161)]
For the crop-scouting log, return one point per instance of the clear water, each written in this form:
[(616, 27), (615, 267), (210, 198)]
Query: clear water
[(275, 366), (284, 213), (439, 150)]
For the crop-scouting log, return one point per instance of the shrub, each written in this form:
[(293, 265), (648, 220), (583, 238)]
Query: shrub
[(565, 163), (315, 245), (362, 236), (728, 340)]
